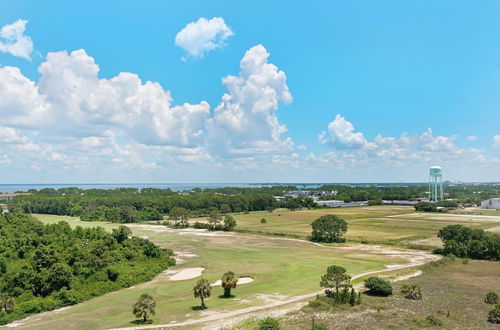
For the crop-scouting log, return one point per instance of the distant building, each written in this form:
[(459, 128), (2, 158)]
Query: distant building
[(331, 203), (8, 197), (492, 203)]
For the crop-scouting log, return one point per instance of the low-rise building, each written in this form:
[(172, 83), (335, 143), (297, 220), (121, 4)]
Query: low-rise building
[(492, 204)]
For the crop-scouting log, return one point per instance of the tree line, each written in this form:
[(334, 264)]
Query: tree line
[(47, 266)]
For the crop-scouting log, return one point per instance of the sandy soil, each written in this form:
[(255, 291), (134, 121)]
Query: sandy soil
[(241, 280), (186, 273)]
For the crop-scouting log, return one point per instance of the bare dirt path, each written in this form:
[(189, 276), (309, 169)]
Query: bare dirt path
[(417, 258)]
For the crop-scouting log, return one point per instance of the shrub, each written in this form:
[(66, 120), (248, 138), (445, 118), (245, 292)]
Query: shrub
[(494, 314), (413, 292), (491, 298), (379, 287), (269, 323), (433, 321), (320, 326), (263, 220)]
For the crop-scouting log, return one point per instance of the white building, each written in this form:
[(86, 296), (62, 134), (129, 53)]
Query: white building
[(492, 203)]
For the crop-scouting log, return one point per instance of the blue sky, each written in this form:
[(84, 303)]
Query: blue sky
[(387, 69)]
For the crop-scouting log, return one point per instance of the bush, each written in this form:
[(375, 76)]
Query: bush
[(413, 292), (494, 314), (433, 321), (269, 323), (263, 220), (377, 286), (491, 298), (426, 207), (320, 326)]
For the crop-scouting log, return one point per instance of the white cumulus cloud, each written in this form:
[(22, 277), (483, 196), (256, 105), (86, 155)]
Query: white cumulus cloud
[(245, 122), (13, 40), (202, 36), (71, 100), (496, 141), (341, 135)]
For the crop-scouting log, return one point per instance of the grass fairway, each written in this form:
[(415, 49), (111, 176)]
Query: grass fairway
[(453, 293), (281, 268), (373, 224)]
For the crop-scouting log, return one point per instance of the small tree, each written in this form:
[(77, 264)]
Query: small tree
[(329, 228), (360, 299), (494, 314), (229, 281), (352, 299), (378, 286), (180, 215), (491, 298), (122, 233), (269, 323), (214, 219), (229, 223), (202, 290), (334, 278), (144, 307)]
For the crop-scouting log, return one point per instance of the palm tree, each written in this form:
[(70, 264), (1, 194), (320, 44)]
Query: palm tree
[(229, 281), (202, 290), (144, 307)]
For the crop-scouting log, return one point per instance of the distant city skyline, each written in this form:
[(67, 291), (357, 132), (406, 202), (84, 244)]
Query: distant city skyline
[(206, 92)]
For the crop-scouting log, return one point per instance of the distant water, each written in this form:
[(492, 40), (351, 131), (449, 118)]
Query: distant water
[(10, 188)]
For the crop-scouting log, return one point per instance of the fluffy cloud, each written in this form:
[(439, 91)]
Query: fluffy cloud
[(71, 100), (202, 36), (13, 40), (496, 142), (72, 119), (245, 122), (341, 135)]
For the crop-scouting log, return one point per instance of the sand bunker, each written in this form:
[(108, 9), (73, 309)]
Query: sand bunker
[(241, 280), (187, 274)]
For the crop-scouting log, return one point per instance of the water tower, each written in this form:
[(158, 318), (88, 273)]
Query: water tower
[(435, 184)]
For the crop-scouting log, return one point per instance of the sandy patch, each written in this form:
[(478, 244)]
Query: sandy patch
[(202, 233), (187, 274), (494, 230), (241, 280), (271, 298), (35, 317), (180, 257)]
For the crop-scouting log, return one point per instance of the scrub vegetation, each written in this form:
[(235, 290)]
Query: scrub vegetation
[(47, 266)]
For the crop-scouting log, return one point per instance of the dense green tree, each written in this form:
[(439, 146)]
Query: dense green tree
[(329, 228), (144, 307), (122, 233), (202, 290), (378, 286), (229, 223), (229, 281), (51, 266)]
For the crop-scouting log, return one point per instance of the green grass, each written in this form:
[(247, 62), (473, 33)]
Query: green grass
[(373, 224), (278, 266)]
